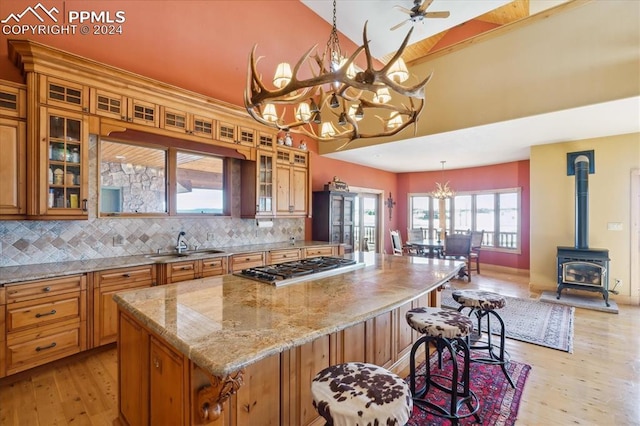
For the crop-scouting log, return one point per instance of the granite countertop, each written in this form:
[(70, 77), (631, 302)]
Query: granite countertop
[(225, 323), (12, 274)]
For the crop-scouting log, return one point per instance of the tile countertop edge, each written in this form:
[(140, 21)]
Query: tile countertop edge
[(203, 358), (39, 271)]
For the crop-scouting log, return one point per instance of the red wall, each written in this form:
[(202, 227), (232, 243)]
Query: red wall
[(500, 176)]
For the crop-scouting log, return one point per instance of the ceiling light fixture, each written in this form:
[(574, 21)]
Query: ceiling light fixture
[(443, 192), (338, 96)]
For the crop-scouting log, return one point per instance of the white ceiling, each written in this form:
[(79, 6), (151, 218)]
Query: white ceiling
[(478, 146)]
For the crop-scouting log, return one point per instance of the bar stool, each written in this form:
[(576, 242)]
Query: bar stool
[(357, 393), (446, 329), (483, 304)]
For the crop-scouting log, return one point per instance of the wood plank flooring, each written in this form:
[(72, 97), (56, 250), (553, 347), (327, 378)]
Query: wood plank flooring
[(598, 384)]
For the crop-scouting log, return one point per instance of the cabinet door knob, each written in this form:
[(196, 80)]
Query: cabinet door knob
[(126, 275), (84, 205), (46, 289)]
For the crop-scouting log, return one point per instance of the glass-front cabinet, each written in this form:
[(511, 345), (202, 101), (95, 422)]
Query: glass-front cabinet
[(64, 146), (265, 184)]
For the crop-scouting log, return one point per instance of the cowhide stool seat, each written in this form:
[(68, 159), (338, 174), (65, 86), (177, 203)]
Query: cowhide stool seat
[(447, 330), (483, 304), (357, 393)]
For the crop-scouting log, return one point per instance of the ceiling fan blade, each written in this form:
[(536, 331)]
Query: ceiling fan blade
[(437, 15), (424, 6), (403, 9), (395, 27)]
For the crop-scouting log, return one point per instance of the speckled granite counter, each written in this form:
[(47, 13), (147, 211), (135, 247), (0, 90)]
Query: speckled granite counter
[(11, 274), (252, 321)]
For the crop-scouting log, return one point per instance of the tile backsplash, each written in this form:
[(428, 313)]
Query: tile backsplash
[(25, 242)]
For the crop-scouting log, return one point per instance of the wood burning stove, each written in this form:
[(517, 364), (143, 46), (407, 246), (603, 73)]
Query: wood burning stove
[(581, 267)]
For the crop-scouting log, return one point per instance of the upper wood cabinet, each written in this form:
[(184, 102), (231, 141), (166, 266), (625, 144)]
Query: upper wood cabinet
[(266, 141), (258, 186), (62, 156), (123, 108), (187, 123), (64, 94), (237, 134), (13, 139), (292, 180)]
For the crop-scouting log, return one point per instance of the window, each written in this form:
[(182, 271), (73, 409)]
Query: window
[(496, 212), (200, 183), (144, 179), (132, 178)]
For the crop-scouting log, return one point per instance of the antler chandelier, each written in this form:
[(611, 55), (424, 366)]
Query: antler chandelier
[(330, 105), (443, 192)]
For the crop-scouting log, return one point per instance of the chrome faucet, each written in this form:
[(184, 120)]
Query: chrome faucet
[(182, 244)]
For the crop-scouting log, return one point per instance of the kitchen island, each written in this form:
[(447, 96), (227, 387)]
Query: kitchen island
[(231, 351)]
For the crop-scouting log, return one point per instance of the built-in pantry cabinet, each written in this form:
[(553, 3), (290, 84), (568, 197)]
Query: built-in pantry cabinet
[(66, 98)]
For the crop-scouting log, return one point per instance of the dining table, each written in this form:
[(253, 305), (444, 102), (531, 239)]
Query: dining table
[(428, 247)]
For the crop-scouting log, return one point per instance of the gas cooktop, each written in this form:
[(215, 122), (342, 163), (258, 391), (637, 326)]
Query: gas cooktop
[(299, 270)]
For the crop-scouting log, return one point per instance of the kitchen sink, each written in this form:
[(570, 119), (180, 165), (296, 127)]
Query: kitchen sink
[(166, 256), (163, 257)]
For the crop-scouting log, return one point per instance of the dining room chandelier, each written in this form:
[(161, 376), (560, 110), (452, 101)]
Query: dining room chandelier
[(443, 191), (340, 101)]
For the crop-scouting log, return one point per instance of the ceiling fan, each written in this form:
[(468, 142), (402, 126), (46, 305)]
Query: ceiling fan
[(419, 12)]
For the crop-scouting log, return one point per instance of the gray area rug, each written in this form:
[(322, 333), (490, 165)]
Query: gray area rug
[(594, 301), (532, 321)]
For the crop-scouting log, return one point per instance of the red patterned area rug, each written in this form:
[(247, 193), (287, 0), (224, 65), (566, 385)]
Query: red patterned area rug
[(499, 402)]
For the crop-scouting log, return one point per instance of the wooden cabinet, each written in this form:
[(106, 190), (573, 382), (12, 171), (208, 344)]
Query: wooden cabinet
[(380, 340), (105, 310), (292, 182), (168, 376), (266, 141), (64, 94), (258, 186), (242, 261), (257, 402), (320, 251), (285, 255), (187, 123), (3, 334), (45, 320), (124, 108), (236, 134), (13, 139), (133, 371), (300, 365), (191, 269), (61, 187), (333, 218)]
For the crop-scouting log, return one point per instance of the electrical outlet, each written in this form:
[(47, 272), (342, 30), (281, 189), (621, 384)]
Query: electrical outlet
[(614, 226), (118, 240), (210, 236)]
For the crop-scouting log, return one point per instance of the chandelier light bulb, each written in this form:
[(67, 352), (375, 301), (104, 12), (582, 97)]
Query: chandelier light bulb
[(269, 113), (303, 112), (282, 76), (382, 95)]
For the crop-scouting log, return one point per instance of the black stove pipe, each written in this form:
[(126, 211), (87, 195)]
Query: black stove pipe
[(582, 202)]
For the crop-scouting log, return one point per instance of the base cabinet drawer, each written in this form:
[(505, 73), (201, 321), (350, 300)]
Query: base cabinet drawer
[(28, 314), (320, 251), (27, 350), (214, 267), (247, 260)]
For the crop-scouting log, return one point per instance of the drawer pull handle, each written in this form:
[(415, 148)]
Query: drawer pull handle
[(53, 312), (126, 275), (186, 268), (42, 348), (46, 289)]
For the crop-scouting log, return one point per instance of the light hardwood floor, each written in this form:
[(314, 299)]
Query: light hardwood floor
[(598, 384)]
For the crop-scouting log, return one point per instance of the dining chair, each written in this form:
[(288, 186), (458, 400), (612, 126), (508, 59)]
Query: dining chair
[(476, 245), (458, 247), (415, 234), (400, 249)]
